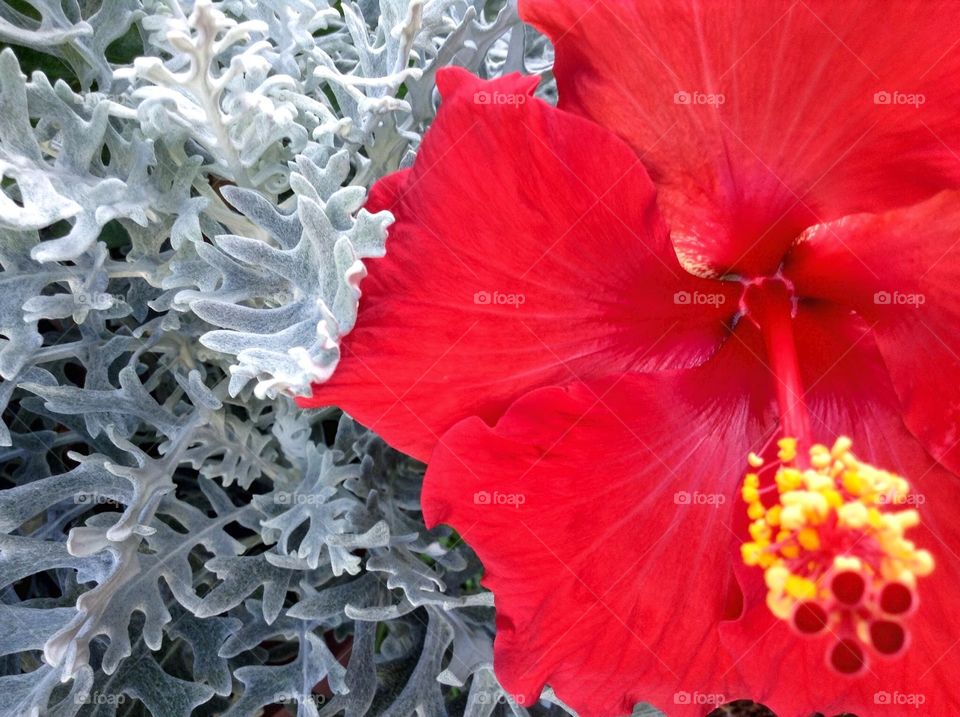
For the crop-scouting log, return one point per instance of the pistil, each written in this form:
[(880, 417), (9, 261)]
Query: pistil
[(770, 304)]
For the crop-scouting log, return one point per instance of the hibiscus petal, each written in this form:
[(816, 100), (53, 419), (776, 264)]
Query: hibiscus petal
[(757, 119), (901, 272), (527, 251), (602, 517), (850, 394)]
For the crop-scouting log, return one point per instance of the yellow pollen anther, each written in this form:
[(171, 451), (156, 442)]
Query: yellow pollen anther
[(853, 483), (776, 577), (835, 541), (834, 498), (759, 530), (853, 515), (790, 551), (841, 447), (792, 517), (800, 588), (922, 563), (788, 449), (817, 481), (843, 563), (788, 479), (751, 552), (820, 460), (809, 539)]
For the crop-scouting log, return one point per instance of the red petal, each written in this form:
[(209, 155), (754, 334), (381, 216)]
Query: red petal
[(901, 272), (851, 394), (509, 201), (602, 517), (798, 138), (383, 195)]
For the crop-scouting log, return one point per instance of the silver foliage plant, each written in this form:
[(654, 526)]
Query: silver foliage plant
[(182, 244)]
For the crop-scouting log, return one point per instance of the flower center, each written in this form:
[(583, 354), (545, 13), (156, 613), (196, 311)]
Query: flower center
[(834, 552), (827, 529)]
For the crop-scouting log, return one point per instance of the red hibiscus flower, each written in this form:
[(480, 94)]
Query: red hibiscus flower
[(683, 355)]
